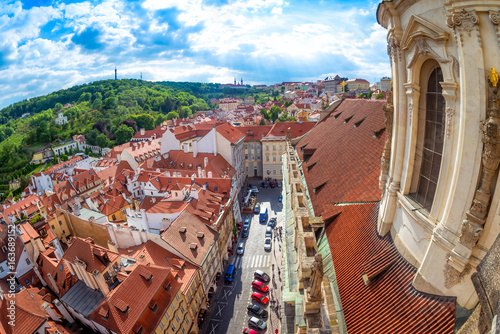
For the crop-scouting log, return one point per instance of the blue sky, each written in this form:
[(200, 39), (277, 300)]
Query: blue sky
[(50, 45)]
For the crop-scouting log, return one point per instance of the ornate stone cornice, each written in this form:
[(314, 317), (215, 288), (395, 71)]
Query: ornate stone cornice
[(495, 20), (423, 48), (464, 21)]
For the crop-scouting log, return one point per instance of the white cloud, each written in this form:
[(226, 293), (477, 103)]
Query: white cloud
[(277, 10)]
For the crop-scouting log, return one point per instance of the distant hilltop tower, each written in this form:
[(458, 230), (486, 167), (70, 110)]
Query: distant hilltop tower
[(242, 81), (141, 75), (235, 81), (116, 76)]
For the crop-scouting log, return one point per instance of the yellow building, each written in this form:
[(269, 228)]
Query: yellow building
[(358, 84)]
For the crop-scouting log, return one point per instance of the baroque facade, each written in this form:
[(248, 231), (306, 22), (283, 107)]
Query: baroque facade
[(440, 165)]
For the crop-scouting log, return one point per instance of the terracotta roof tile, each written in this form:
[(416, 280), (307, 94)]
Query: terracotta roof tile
[(28, 316), (388, 303), (341, 160), (297, 129), (83, 249), (127, 305), (231, 133)]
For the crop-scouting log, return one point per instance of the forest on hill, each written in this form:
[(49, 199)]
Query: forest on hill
[(108, 112)]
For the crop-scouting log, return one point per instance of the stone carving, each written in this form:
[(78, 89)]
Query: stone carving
[(422, 48), (495, 19), (386, 154), (316, 277), (453, 277), (472, 227), (393, 48), (449, 118), (464, 20), (456, 68)]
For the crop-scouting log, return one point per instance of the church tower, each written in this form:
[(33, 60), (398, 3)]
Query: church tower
[(439, 178), (116, 75)]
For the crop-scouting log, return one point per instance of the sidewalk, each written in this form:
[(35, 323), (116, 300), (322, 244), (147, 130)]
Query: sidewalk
[(275, 310)]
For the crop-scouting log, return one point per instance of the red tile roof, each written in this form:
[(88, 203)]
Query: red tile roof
[(86, 251), (297, 129), (342, 154), (28, 316), (181, 241), (231, 133), (155, 133), (48, 264), (150, 253), (388, 304), (126, 307), (255, 133)]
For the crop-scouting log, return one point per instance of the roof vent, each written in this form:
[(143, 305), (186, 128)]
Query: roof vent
[(358, 123), (200, 235), (347, 119), (182, 229), (193, 245)]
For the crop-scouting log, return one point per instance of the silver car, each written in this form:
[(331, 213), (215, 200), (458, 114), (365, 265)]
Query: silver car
[(267, 244), (257, 323), (240, 249)]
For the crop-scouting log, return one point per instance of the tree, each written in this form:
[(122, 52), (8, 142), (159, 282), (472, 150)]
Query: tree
[(131, 123), (264, 113), (145, 121), (111, 102), (123, 134), (285, 118), (274, 112), (172, 115), (91, 137), (160, 119), (369, 95), (58, 107), (102, 140), (262, 121), (379, 96)]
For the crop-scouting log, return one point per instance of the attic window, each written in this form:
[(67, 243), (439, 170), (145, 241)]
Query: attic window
[(200, 235), (337, 116), (182, 229), (168, 287), (318, 188), (358, 123), (377, 133), (121, 305), (193, 245), (311, 166), (348, 119)]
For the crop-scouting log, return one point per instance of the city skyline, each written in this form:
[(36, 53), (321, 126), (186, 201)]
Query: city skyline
[(51, 45)]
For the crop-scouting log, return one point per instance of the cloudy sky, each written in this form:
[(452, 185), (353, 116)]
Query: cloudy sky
[(49, 45)]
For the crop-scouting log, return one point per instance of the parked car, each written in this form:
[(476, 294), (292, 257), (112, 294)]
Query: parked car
[(256, 210), (279, 184), (240, 249), (272, 222), (244, 233), (246, 223), (255, 190), (257, 323), (267, 244), (261, 275), (249, 331), (258, 311), (260, 286), (264, 184), (259, 297), (272, 184), (280, 199)]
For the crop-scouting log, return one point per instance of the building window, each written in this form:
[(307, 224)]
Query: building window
[(28, 262), (267, 158), (1, 269), (430, 152), (274, 158)]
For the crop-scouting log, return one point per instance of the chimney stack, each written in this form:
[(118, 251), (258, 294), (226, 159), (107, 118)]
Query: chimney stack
[(143, 131)]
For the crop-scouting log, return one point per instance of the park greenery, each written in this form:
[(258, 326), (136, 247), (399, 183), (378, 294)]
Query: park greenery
[(107, 112)]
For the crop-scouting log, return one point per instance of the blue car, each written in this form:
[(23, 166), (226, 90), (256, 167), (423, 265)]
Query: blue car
[(280, 198), (246, 223)]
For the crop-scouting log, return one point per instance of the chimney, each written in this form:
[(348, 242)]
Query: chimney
[(199, 172), (205, 162), (143, 131), (203, 174), (186, 147), (112, 246), (209, 175), (63, 311), (50, 311), (195, 148)]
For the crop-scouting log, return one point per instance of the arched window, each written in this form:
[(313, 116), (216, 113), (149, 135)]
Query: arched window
[(431, 140)]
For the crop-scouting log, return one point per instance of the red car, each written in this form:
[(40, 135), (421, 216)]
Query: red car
[(260, 286), (260, 298), (249, 331)]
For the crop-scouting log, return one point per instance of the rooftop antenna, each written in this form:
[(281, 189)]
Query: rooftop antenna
[(116, 76), (141, 75)]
